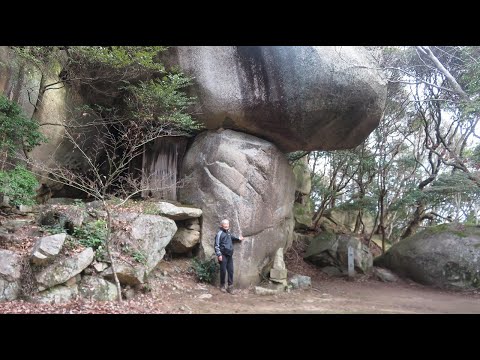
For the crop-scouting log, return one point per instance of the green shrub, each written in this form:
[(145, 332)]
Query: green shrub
[(54, 229), (205, 270), (139, 257), (17, 130), (92, 234), (19, 185)]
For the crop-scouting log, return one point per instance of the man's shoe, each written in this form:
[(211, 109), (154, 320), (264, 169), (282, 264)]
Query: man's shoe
[(230, 290), (222, 289)]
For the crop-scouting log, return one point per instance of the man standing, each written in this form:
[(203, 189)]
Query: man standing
[(224, 251)]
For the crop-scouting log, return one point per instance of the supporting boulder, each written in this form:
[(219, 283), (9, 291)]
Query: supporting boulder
[(249, 181)]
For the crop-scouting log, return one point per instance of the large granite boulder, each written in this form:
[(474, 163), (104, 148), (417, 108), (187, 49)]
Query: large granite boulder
[(298, 97), (445, 256), (249, 181)]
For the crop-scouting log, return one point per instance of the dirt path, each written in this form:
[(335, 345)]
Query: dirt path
[(174, 290), (180, 293)]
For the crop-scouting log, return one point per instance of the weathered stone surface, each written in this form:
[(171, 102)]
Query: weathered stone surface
[(303, 213), (68, 217), (298, 97), (100, 266), (264, 291), (128, 293), (19, 81), (192, 224), (322, 250), (62, 270), (13, 225), (329, 249), (184, 240), (278, 274), (303, 207), (302, 238), (177, 212), (74, 280), (57, 295), (10, 265), (47, 248), (278, 262), (53, 109), (445, 256), (9, 290), (384, 275), (300, 282), (10, 273), (333, 271), (147, 234), (25, 209), (127, 274), (94, 288), (362, 257), (247, 180), (303, 180)]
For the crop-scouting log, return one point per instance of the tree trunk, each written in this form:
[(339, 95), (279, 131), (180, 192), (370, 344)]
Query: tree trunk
[(415, 223), (373, 229), (359, 223), (318, 215), (107, 246), (381, 226)]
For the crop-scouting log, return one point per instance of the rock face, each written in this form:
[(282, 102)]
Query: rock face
[(177, 212), (57, 295), (94, 288), (298, 97), (184, 240), (147, 234), (278, 273), (62, 270), (126, 273), (19, 81), (47, 248), (303, 207), (300, 282), (10, 271), (327, 249), (247, 180), (445, 256)]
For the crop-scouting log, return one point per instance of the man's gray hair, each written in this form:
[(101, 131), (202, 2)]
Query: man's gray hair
[(225, 221)]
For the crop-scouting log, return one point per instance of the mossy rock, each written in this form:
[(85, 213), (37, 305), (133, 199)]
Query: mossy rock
[(445, 256)]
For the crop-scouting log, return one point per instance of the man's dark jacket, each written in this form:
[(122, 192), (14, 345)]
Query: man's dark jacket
[(223, 242)]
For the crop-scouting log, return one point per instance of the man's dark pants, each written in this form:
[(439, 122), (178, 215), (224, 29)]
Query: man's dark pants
[(226, 265)]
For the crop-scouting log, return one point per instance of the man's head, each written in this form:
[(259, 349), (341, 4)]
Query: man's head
[(225, 224)]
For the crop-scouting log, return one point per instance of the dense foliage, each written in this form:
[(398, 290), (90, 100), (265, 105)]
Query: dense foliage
[(16, 130), (19, 185)]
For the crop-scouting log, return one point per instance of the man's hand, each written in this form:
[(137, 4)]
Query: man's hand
[(241, 237), (220, 258)]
